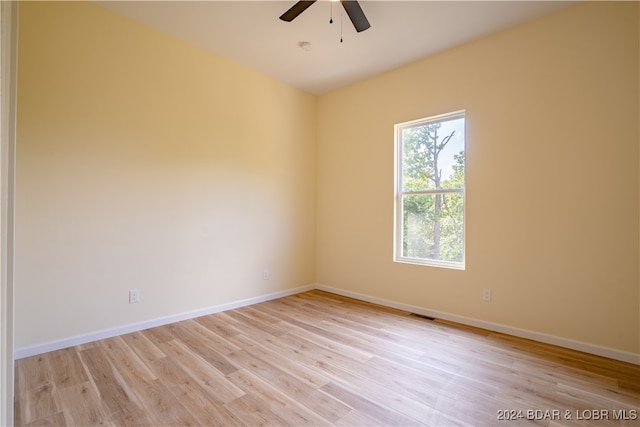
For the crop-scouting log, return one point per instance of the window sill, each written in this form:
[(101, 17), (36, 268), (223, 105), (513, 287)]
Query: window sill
[(432, 263)]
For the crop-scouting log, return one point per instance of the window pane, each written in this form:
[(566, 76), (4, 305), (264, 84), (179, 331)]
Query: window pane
[(433, 226), (433, 156)]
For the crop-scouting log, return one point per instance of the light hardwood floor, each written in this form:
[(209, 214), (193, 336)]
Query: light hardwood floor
[(321, 359)]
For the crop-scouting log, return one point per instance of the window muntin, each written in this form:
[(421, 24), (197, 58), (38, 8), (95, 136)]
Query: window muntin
[(430, 191)]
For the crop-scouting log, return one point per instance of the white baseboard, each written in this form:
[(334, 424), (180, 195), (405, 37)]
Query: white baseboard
[(33, 350), (496, 327), (598, 350)]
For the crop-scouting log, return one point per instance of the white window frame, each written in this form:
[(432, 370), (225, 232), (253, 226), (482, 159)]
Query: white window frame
[(399, 193)]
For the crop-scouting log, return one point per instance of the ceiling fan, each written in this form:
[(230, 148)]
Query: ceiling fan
[(352, 8)]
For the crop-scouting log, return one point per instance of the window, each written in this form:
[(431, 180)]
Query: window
[(430, 191)]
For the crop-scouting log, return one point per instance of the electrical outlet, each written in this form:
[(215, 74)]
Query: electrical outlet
[(486, 294), (265, 275), (134, 296)]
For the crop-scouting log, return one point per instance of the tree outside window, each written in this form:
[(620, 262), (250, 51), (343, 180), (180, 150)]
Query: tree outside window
[(430, 180)]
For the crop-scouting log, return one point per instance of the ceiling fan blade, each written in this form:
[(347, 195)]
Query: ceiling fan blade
[(296, 10), (356, 14)]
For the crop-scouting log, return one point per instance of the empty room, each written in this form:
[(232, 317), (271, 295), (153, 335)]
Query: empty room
[(320, 213)]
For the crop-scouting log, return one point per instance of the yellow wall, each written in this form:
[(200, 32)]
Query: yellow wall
[(147, 163), (552, 178)]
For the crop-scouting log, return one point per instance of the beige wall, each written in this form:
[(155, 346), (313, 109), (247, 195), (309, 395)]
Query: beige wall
[(552, 178), (144, 162), (147, 163)]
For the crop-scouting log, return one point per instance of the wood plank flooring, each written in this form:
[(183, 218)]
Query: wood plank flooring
[(320, 359)]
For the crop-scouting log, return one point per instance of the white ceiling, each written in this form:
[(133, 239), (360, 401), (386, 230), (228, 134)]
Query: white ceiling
[(249, 32)]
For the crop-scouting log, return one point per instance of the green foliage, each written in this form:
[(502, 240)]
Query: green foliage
[(433, 224)]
